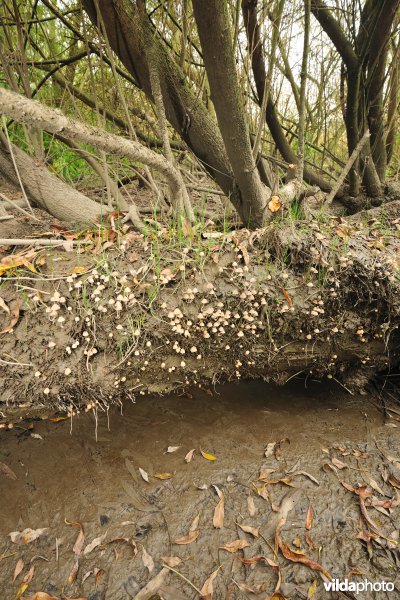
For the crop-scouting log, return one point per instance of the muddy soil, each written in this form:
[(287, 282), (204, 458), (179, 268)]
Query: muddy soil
[(328, 438)]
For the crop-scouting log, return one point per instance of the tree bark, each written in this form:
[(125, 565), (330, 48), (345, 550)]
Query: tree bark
[(34, 114), (216, 42), (47, 191)]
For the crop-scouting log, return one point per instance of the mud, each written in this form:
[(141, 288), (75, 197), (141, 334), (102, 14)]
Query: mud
[(69, 475)]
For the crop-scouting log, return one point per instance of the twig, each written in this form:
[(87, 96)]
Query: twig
[(40, 242), (15, 164), (347, 167), (183, 577), (14, 205)]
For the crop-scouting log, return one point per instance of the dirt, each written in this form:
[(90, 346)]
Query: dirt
[(122, 314), (86, 470)]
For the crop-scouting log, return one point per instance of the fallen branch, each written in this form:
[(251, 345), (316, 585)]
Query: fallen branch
[(41, 242)]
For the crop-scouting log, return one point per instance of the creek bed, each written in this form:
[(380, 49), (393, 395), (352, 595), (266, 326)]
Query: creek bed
[(68, 474)]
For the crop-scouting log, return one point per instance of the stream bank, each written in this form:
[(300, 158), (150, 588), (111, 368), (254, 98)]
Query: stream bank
[(112, 314)]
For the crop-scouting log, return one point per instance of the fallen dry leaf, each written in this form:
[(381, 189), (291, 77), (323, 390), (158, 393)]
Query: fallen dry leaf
[(27, 536), (297, 557), (7, 472), (234, 546), (73, 573), (171, 561), (251, 506), (18, 568), (144, 474), (4, 306), (251, 589), (171, 449), (207, 590), (219, 511), (14, 316), (125, 540), (254, 531), (195, 524), (188, 539), (274, 204), (29, 576), (80, 540), (163, 475), (339, 464), (207, 456), (93, 544), (309, 517), (152, 586), (36, 436), (189, 455), (147, 560)]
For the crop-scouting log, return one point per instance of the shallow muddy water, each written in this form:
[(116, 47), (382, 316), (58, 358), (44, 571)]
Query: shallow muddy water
[(328, 437)]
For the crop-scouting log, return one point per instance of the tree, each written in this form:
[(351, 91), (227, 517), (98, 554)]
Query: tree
[(181, 55)]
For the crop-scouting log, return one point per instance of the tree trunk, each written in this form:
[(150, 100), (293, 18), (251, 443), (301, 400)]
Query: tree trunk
[(47, 191), (187, 115), (33, 114), (216, 42)]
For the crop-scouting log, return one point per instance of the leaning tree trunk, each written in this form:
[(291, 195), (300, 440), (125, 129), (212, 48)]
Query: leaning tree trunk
[(46, 190), (34, 114), (215, 37), (185, 112)]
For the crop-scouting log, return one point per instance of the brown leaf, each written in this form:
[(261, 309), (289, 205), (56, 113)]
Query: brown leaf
[(171, 561), (93, 544), (219, 511), (254, 531), (207, 590), (152, 586), (287, 297), (80, 540), (251, 506), (252, 560), (147, 560), (7, 472), (73, 573), (298, 557), (144, 474), (195, 524), (274, 204), (171, 449), (27, 536), (14, 314), (339, 464), (234, 546), (189, 455), (18, 568), (188, 539), (125, 540), (29, 576), (163, 476), (309, 518)]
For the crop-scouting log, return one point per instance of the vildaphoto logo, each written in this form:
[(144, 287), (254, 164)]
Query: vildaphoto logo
[(344, 585)]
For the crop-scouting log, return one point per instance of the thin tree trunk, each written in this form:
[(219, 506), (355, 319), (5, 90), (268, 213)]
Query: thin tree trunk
[(303, 83), (212, 21)]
